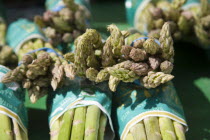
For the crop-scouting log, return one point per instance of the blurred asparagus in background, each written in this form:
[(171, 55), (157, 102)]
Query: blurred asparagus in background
[(148, 60), (39, 70), (3, 28), (157, 128), (81, 123), (65, 25)]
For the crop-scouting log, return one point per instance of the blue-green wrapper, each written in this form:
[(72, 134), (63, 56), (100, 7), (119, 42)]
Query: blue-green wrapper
[(79, 93), (12, 101), (22, 31), (131, 104)]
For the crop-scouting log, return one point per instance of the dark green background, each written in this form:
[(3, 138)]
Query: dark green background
[(192, 78)]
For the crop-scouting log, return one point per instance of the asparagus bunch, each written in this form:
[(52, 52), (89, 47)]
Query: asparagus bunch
[(202, 24), (65, 25), (156, 128), (39, 70), (10, 129), (147, 60), (156, 13), (81, 123)]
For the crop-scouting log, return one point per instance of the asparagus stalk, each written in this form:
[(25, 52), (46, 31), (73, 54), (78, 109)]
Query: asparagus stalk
[(152, 128), (92, 123), (17, 130), (64, 133), (24, 135), (102, 126), (129, 136), (78, 124), (5, 128), (138, 131), (179, 130), (54, 131), (167, 129)]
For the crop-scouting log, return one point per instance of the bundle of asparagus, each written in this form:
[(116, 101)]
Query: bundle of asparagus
[(65, 24), (39, 69), (81, 123), (10, 129), (151, 16), (13, 115), (147, 59), (202, 25), (80, 111)]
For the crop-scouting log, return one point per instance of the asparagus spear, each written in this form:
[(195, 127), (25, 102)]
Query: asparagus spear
[(167, 129), (5, 128), (92, 123), (17, 130), (78, 124), (152, 128), (64, 133), (138, 131), (54, 131), (102, 126), (179, 129), (24, 135), (129, 136)]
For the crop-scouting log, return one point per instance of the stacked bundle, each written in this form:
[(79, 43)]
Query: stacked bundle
[(149, 60), (65, 23)]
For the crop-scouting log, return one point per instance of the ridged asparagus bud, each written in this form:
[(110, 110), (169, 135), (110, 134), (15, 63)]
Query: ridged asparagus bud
[(126, 51), (178, 3), (92, 61), (50, 32), (139, 68), (132, 37), (47, 16), (166, 42), (27, 83), (138, 54), (154, 34), (117, 39), (103, 75), (166, 67), (151, 47), (184, 25), (158, 23), (205, 21), (113, 83), (66, 14), (123, 74), (15, 75), (91, 74), (107, 55), (27, 59), (71, 4), (156, 12), (154, 62), (154, 79), (70, 71), (67, 37), (69, 57), (139, 43)]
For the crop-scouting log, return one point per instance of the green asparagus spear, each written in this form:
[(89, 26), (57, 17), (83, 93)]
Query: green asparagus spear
[(92, 123), (5, 128), (179, 129), (129, 136), (152, 128), (167, 129), (78, 127), (102, 126), (54, 131), (64, 133), (17, 133), (138, 131)]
